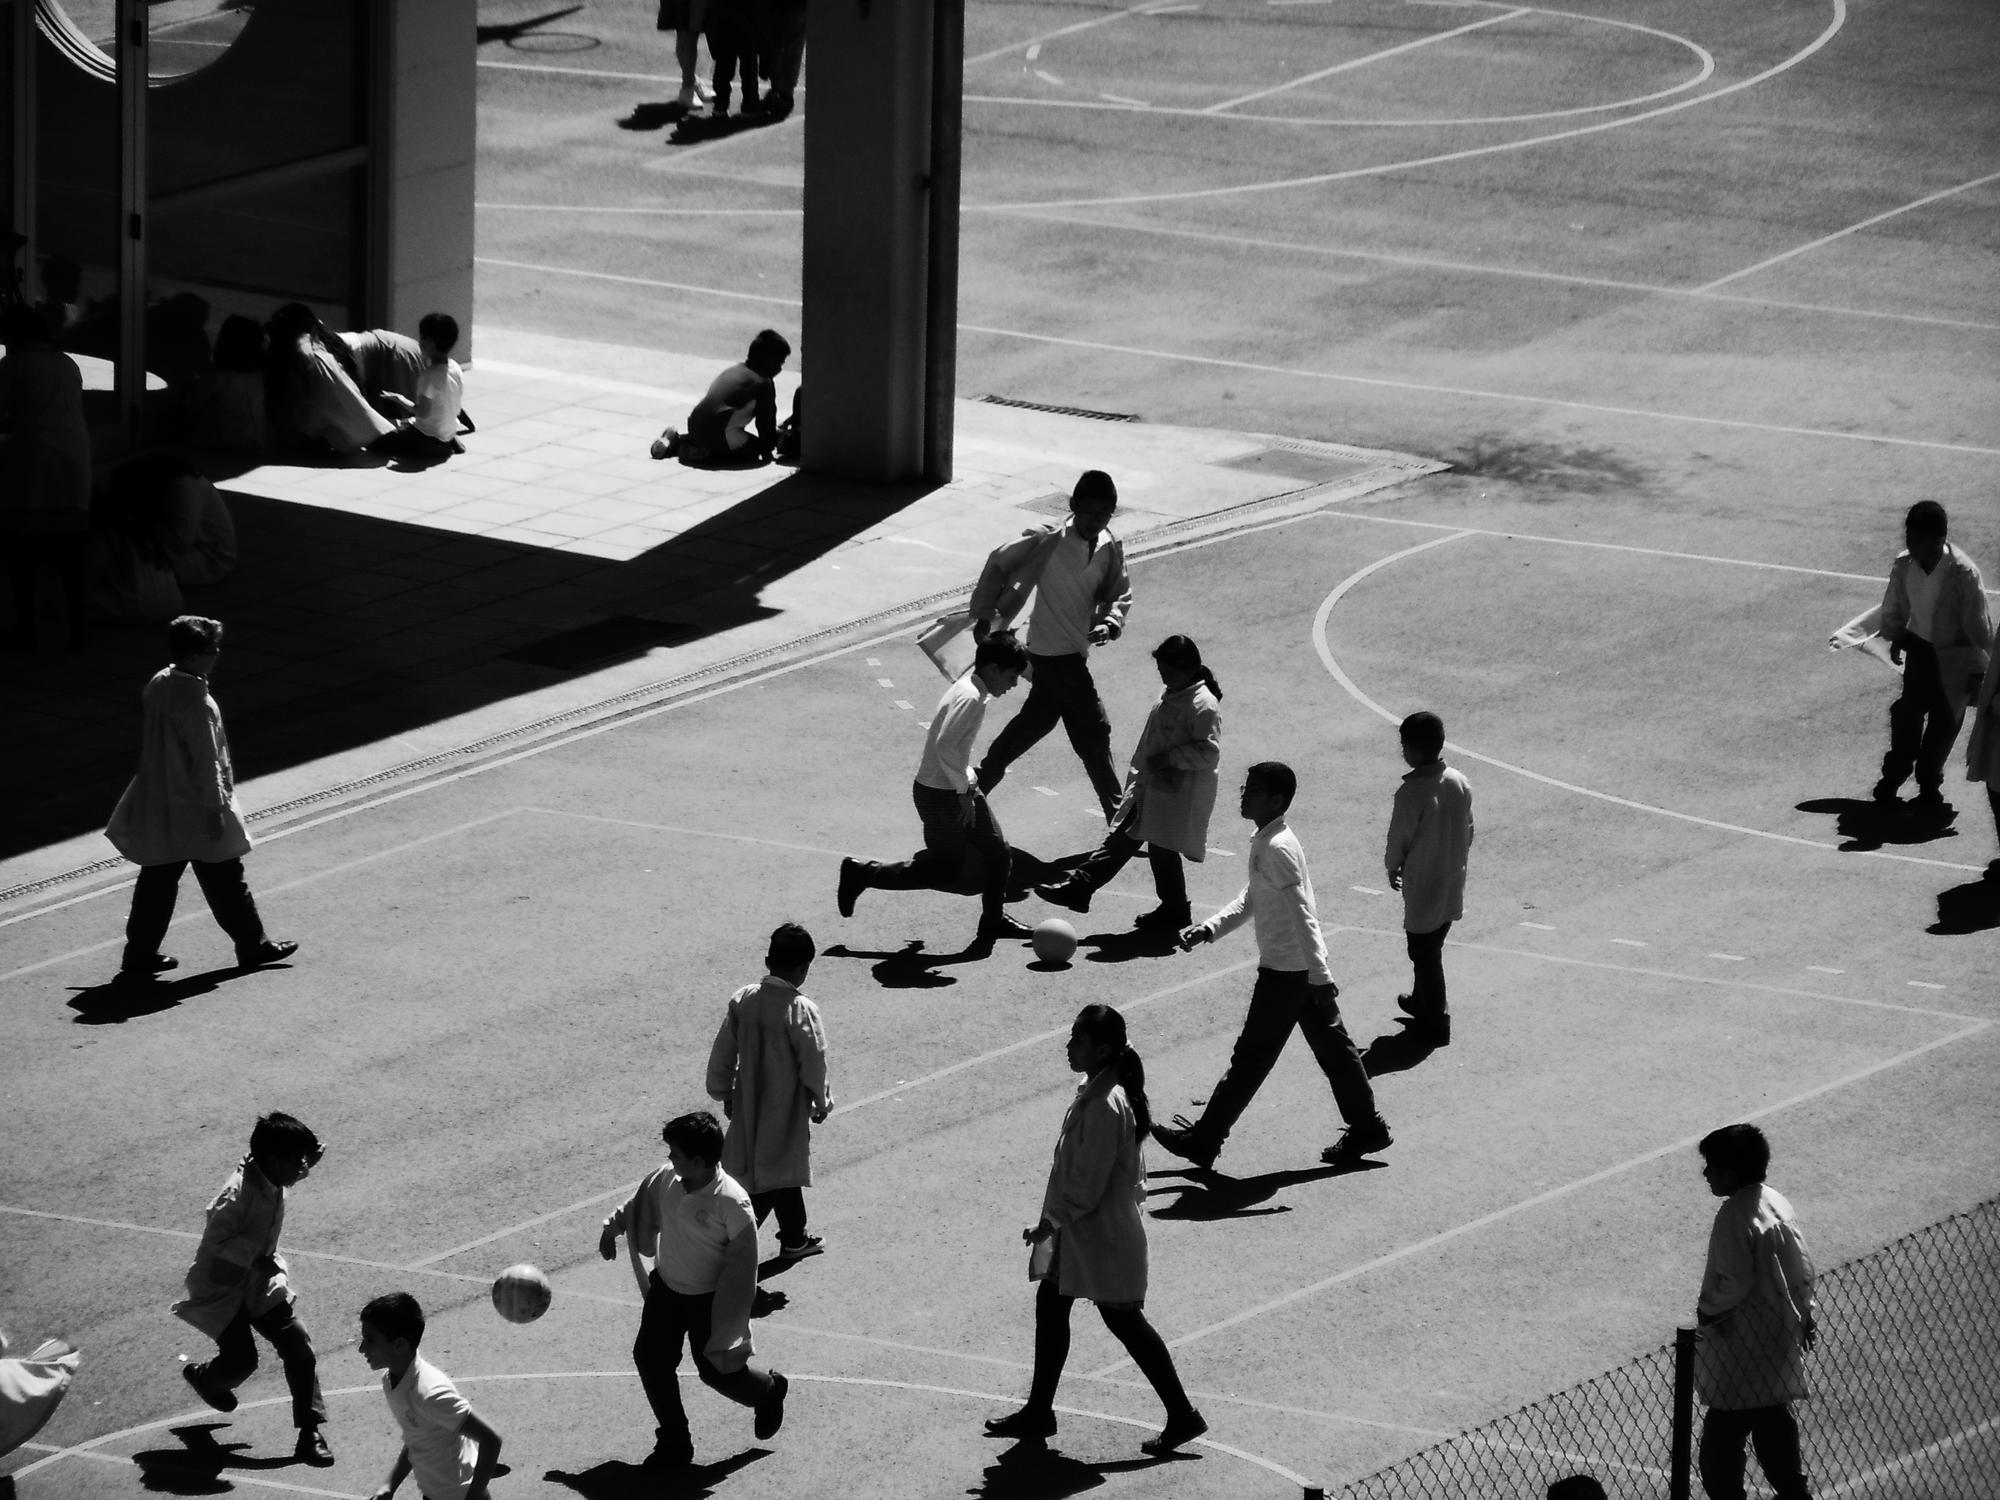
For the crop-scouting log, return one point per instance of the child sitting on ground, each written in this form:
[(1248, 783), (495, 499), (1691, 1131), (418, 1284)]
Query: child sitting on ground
[(239, 1281), (451, 1449), (429, 431), (718, 429)]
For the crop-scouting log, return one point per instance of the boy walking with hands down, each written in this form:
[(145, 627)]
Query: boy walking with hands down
[(768, 1071), (1430, 833)]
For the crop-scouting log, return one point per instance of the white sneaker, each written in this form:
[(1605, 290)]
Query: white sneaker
[(690, 97)]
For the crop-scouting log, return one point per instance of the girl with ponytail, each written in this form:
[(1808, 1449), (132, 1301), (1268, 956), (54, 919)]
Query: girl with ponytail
[(1169, 792), (1091, 1239)]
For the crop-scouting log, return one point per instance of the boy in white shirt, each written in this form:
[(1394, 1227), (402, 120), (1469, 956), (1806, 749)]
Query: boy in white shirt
[(446, 1444), (1293, 988), (429, 433)]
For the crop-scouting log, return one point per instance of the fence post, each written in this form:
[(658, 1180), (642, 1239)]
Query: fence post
[(1680, 1468)]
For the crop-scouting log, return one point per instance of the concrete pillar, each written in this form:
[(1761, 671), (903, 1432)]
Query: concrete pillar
[(425, 101), (868, 321)]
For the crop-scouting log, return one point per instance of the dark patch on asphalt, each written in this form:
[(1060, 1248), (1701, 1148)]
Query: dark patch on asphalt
[(1550, 467)]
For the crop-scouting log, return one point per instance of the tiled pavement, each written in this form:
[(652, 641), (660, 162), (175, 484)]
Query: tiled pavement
[(379, 619)]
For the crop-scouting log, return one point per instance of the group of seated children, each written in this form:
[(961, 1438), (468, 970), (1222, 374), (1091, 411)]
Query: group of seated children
[(380, 392)]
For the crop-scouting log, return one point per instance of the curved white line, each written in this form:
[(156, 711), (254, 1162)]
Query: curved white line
[(1353, 691), (1706, 71), (598, 208), (1317, 179)]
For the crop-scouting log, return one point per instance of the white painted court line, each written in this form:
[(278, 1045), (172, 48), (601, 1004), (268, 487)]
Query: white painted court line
[(1049, 36), (1358, 62), (1863, 1483), (1539, 926), (1538, 1200), (1048, 78), (906, 705), (1630, 943), (647, 281), (1353, 690), (1833, 28), (1367, 890), (885, 682), (1923, 984), (1473, 268), (1730, 958), (1132, 103), (1048, 791), (1034, 52), (686, 213), (1822, 969), (1838, 234)]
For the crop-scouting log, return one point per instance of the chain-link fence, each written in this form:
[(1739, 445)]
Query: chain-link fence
[(1905, 1396)]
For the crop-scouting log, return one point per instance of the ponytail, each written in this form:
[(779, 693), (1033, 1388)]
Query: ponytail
[(1132, 1079), (1208, 677), (1183, 655)]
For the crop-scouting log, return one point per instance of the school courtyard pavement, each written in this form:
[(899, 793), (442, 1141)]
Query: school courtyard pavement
[(384, 626)]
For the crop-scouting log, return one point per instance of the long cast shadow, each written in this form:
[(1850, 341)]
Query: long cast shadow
[(1395, 1052), (613, 1480), (116, 1002), (1972, 907), (1032, 1470), (196, 1467), (345, 630), (909, 967), (1865, 825), (1207, 1195)]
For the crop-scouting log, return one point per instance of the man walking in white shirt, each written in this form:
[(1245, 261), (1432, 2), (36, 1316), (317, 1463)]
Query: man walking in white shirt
[(964, 850), (1293, 988)]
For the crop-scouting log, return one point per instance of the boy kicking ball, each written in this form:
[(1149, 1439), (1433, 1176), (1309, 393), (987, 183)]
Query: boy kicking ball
[(449, 1447)]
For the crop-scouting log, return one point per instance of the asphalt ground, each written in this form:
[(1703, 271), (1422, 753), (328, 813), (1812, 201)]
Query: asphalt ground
[(511, 977), (497, 1003)]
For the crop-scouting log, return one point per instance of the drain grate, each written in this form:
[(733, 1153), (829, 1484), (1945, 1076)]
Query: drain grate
[(602, 641), (1063, 411)]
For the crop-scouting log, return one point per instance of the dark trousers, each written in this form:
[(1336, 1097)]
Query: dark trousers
[(236, 1358), (1127, 1322), (670, 1319), (63, 553), (954, 858), (408, 443), (1101, 866), (153, 896), (781, 49), (1281, 1000), (789, 1203), (1060, 689), (1776, 1438), (1922, 723), (1427, 999), (733, 46)]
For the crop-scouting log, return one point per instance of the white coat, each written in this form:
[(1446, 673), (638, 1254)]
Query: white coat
[(768, 1065), (1097, 1183), (184, 779), (1174, 804)]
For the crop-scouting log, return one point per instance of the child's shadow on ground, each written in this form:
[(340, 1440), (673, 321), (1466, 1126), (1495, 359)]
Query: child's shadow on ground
[(196, 1467), (114, 1003), (1972, 907), (613, 1480), (693, 129), (1867, 825), (653, 116), (909, 967), (1208, 1195), (1395, 1052), (1033, 1471), (1123, 947)]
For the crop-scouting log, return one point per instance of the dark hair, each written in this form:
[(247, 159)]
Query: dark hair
[(239, 344), (1424, 730), (395, 1315), (62, 278), (441, 329), (1739, 1149), (1106, 1027), (1180, 654), (1094, 487), (1002, 649), (294, 320), (193, 635), (698, 1134), (1576, 1487), (279, 1132), (1276, 777), (21, 327), (792, 947), (771, 343), (1926, 518)]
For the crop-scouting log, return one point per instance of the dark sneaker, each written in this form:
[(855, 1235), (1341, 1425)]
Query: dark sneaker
[(1930, 804), (853, 881), (1071, 893), (1180, 1139), (1178, 1431), (1358, 1141), (1000, 928), (265, 953), (1885, 790), (810, 1245), (771, 1410), (214, 1395), (1164, 918), (311, 1448), (670, 1457), (1025, 1423)]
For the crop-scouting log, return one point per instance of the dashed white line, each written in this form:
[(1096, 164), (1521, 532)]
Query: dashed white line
[(1225, 853), (1140, 103), (1923, 984), (906, 705), (1048, 77), (1035, 51), (1367, 890), (1048, 791), (1630, 943), (1730, 958), (874, 661), (884, 682), (1539, 926), (1822, 969)]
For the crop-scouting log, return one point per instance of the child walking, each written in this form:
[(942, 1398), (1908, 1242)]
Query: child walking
[(239, 1281), (451, 1449), (768, 1071), (1430, 835)]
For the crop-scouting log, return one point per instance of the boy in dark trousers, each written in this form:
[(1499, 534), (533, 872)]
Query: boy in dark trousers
[(239, 1282), (742, 397), (1430, 833)]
